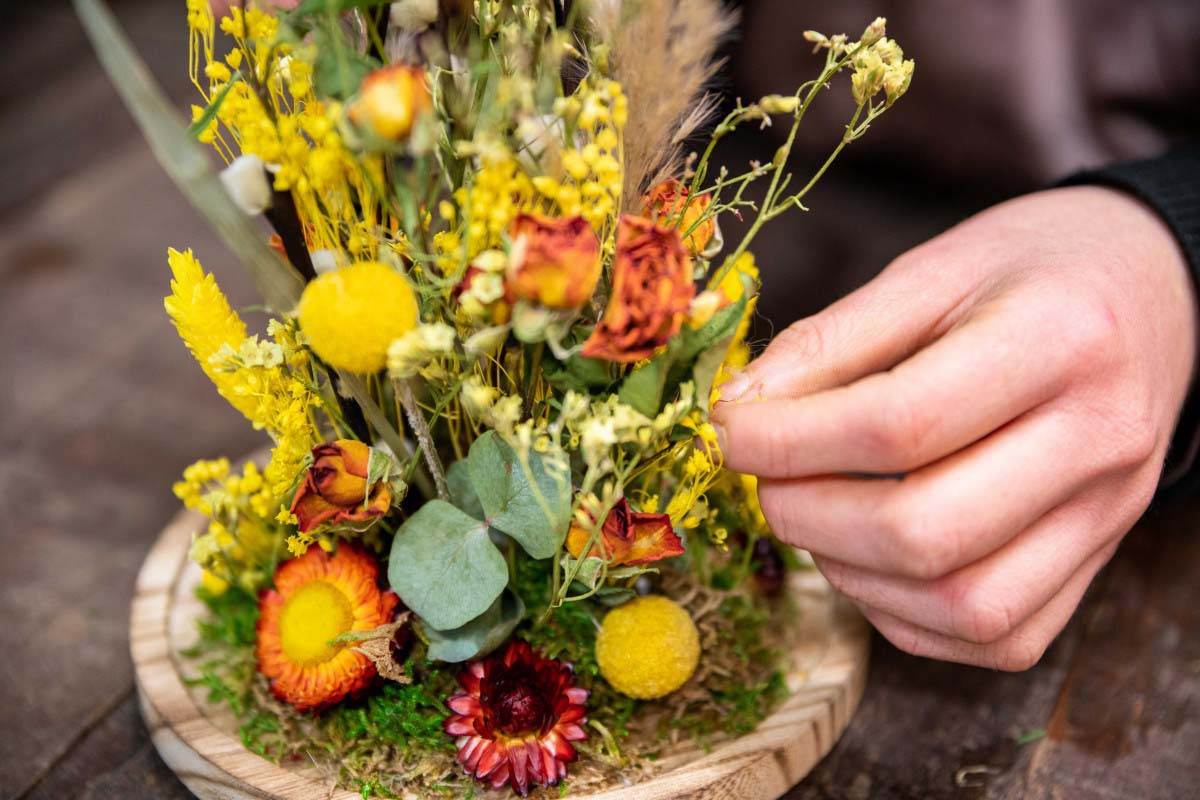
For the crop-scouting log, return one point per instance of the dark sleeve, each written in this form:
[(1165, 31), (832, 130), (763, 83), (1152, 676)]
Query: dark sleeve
[(1171, 186)]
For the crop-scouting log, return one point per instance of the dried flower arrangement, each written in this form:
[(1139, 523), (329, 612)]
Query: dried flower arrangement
[(493, 543)]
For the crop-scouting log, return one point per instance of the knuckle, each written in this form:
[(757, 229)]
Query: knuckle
[(922, 547), (1091, 332), (906, 638), (804, 339), (841, 578), (980, 616), (1136, 440), (776, 449), (1019, 653), (894, 439)]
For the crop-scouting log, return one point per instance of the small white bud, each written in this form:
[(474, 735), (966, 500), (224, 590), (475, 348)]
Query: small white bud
[(413, 15), (324, 261), (246, 181)]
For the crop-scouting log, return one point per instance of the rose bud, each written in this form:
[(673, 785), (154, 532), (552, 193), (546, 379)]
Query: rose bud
[(652, 289), (390, 100), (335, 488), (666, 201), (555, 262)]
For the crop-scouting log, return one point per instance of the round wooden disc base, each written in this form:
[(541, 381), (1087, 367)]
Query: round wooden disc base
[(199, 741)]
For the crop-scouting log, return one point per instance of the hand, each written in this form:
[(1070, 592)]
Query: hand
[(1011, 386)]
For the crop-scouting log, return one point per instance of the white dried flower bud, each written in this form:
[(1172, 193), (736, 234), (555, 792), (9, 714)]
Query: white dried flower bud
[(413, 15), (413, 351), (324, 261), (487, 341), (597, 440), (574, 406), (477, 399), (493, 261), (778, 104), (246, 181), (874, 32), (897, 80), (505, 414)]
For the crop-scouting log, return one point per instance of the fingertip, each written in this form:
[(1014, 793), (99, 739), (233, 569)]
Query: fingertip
[(734, 388)]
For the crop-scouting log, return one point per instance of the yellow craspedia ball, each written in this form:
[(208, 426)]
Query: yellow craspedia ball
[(648, 647), (350, 316)]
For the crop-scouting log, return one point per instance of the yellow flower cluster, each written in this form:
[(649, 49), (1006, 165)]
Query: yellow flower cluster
[(592, 173), (259, 379), (240, 541), (499, 192), (880, 66), (293, 133)]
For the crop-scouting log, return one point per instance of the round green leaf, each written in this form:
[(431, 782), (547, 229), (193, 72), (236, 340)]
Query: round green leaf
[(445, 567)]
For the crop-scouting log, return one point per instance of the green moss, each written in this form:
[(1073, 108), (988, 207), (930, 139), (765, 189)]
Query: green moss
[(408, 716), (377, 741)]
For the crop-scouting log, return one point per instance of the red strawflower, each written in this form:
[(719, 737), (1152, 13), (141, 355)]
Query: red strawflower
[(515, 719)]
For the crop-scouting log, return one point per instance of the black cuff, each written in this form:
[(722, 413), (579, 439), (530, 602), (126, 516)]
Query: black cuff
[(1171, 186)]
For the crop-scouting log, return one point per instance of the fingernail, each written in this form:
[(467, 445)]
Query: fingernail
[(734, 388)]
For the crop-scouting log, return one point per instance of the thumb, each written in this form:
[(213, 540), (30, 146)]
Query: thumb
[(869, 330)]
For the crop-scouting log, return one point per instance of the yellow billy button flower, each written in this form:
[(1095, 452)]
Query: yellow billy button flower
[(390, 100), (648, 647), (352, 315)]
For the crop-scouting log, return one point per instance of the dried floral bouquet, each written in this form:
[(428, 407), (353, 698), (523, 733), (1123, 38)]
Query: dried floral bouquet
[(493, 541)]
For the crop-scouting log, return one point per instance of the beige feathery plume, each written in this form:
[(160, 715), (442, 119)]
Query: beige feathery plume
[(663, 55)]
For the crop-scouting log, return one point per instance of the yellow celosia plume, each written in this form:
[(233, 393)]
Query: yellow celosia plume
[(206, 323)]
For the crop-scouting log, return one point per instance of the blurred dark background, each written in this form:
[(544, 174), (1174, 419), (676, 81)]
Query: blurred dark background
[(100, 405)]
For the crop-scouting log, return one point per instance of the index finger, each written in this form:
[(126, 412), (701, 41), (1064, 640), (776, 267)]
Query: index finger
[(970, 382)]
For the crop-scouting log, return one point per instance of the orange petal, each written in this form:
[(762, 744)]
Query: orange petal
[(653, 539), (355, 455)]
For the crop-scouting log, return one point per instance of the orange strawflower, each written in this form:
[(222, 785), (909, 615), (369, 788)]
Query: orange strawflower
[(317, 598)]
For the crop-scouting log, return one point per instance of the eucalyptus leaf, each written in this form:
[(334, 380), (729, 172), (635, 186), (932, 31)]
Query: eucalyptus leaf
[(462, 492), (445, 567), (642, 389), (481, 635), (184, 160), (584, 375), (532, 506)]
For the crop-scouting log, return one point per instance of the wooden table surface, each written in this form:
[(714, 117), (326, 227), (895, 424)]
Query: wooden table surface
[(100, 408)]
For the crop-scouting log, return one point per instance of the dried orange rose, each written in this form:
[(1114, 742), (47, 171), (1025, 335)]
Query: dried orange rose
[(652, 288), (390, 100), (555, 261), (629, 537), (335, 487), (666, 201)]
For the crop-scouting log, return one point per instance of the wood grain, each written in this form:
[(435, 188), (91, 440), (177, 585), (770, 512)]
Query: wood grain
[(197, 739)]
